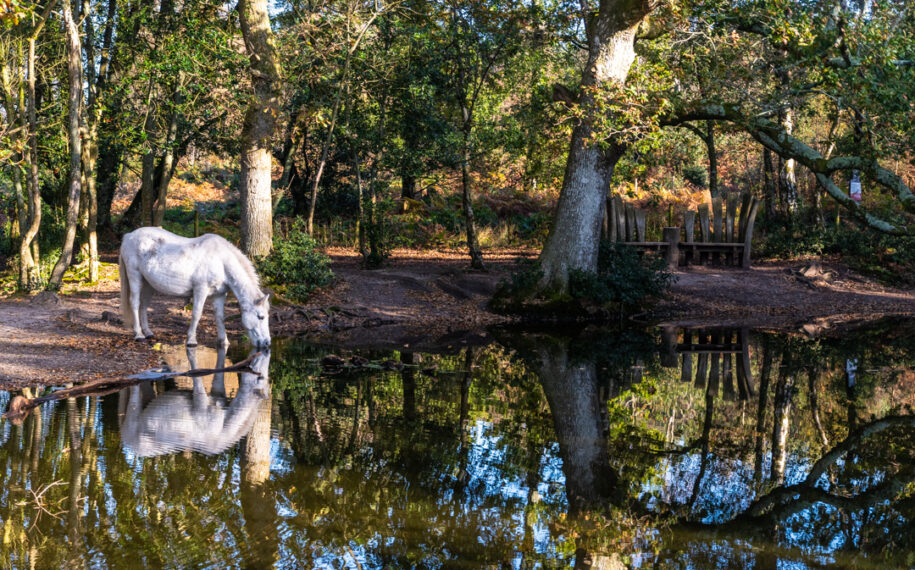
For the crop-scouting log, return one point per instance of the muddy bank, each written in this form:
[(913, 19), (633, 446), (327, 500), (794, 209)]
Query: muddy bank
[(423, 301), (801, 296)]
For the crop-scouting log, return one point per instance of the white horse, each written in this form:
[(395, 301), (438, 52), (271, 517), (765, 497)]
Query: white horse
[(155, 260)]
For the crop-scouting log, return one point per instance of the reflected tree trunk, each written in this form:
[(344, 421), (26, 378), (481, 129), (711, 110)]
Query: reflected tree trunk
[(784, 393), (814, 405), (571, 389), (409, 386), (257, 500), (764, 373), (706, 437), (76, 464)]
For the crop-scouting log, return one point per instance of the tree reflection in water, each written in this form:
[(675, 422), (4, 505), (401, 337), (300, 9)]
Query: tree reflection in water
[(697, 447)]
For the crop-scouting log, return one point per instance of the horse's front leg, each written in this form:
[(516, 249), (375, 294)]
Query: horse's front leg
[(146, 292), (200, 298), (135, 279), (219, 309)]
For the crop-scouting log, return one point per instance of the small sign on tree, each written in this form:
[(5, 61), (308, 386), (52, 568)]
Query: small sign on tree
[(855, 186)]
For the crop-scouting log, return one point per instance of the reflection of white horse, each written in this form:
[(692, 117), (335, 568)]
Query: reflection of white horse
[(153, 259), (179, 420)]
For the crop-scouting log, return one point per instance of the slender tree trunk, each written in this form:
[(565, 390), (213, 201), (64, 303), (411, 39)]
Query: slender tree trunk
[(74, 75), (788, 174), (325, 149), (712, 159), (16, 118), (769, 177), (147, 175), (168, 159), (473, 246), (575, 234), (28, 263), (257, 133)]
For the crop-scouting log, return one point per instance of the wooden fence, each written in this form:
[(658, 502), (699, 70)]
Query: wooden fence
[(725, 231)]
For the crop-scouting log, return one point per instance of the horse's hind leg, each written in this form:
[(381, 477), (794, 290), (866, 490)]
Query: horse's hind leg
[(146, 292), (200, 298)]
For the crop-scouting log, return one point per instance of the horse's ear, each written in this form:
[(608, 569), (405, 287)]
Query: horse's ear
[(265, 299)]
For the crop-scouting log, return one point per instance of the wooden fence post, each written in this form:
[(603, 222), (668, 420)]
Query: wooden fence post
[(689, 225), (612, 219), (620, 218), (716, 213), (672, 237), (729, 219), (748, 238), (630, 222), (703, 223), (640, 222)]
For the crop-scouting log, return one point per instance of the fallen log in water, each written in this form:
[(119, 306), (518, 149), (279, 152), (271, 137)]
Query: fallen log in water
[(20, 406)]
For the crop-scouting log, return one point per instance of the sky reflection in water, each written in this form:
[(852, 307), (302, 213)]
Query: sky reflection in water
[(683, 448)]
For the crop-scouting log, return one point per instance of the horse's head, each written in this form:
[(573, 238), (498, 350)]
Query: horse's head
[(256, 321)]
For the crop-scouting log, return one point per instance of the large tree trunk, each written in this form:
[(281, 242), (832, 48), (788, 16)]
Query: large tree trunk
[(74, 75), (257, 133), (575, 234)]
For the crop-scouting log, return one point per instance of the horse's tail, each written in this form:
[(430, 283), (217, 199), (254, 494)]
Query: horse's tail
[(126, 310)]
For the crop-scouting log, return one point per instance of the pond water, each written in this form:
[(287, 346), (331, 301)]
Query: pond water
[(644, 448)]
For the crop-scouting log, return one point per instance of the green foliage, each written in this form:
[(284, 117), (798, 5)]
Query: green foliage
[(696, 174), (890, 259), (295, 264), (623, 277)]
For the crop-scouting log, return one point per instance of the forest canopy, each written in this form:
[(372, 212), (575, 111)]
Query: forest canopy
[(472, 113)]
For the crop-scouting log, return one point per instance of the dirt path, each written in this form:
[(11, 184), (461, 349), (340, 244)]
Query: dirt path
[(778, 295), (420, 300)]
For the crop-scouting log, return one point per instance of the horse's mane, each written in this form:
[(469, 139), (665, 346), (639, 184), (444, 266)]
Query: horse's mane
[(247, 265), (243, 260)]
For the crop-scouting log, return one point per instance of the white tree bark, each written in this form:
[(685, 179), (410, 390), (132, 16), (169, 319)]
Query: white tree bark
[(257, 133)]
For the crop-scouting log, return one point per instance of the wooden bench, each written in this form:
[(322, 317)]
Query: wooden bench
[(725, 229)]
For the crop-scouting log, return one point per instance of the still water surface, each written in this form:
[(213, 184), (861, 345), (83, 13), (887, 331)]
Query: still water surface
[(674, 448)]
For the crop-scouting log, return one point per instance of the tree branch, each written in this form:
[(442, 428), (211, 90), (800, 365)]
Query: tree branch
[(774, 137)]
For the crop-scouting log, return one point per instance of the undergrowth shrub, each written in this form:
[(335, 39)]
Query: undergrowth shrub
[(623, 277), (295, 265), (623, 282), (890, 259)]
